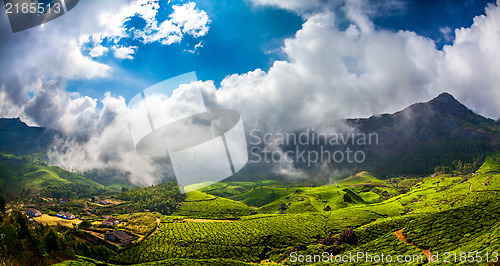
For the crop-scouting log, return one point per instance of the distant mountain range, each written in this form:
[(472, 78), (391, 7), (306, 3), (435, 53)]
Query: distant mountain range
[(413, 141)]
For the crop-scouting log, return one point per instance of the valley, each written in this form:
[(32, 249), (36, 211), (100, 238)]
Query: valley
[(264, 221)]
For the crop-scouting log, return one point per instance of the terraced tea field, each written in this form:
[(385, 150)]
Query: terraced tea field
[(403, 216)]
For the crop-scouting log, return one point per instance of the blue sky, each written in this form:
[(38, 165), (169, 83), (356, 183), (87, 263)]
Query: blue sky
[(426, 17), (241, 38), (244, 37)]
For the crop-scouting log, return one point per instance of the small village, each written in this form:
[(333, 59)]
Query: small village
[(105, 229)]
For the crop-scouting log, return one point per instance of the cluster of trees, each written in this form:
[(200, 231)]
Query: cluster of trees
[(26, 243), (2, 203), (162, 198), (424, 159), (70, 190), (459, 167)]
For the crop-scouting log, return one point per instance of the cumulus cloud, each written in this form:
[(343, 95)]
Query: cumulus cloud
[(97, 51), (106, 143), (195, 49), (123, 52), (186, 19), (55, 50), (469, 69), (333, 74), (94, 139)]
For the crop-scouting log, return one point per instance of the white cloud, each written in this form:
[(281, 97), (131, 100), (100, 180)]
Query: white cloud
[(25, 68), (195, 49), (108, 144), (447, 33), (186, 19), (333, 74), (192, 21), (470, 69), (122, 52), (97, 51)]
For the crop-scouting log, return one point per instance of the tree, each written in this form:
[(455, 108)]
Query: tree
[(85, 224), (23, 229), (2, 203), (51, 241)]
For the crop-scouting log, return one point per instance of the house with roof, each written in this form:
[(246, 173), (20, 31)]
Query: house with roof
[(33, 212), (110, 222), (66, 215), (118, 237), (103, 202), (64, 200)]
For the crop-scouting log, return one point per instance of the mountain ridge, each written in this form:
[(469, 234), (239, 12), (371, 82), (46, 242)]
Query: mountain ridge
[(17, 138), (417, 139)]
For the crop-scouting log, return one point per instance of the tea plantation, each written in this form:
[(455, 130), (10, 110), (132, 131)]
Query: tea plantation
[(266, 222)]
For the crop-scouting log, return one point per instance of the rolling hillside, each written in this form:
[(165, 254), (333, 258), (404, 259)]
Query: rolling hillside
[(420, 217), (27, 174)]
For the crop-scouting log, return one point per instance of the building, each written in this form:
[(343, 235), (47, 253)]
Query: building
[(64, 200), (95, 198), (33, 212), (110, 222), (104, 202), (66, 215), (119, 237)]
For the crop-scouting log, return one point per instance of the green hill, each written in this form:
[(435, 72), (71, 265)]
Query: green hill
[(201, 205), (27, 174), (434, 214)]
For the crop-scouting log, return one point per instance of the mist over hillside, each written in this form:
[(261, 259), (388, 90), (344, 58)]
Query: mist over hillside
[(413, 141)]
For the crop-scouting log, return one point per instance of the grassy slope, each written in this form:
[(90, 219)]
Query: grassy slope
[(437, 210), (201, 205), (20, 172)]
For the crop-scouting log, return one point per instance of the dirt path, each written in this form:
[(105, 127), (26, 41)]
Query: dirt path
[(400, 236), (470, 188), (157, 226)]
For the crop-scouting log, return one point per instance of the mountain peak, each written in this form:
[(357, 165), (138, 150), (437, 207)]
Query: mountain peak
[(445, 98), (446, 103)]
